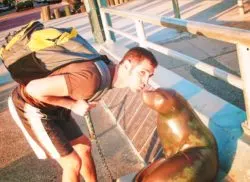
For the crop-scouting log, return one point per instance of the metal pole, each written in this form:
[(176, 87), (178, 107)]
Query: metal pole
[(140, 32), (106, 20), (244, 63), (95, 20), (176, 9)]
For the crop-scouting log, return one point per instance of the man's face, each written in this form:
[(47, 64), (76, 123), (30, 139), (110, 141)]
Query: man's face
[(139, 76)]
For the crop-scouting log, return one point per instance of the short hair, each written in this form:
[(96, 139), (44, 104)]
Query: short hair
[(138, 54)]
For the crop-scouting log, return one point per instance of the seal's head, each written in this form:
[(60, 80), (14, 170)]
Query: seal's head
[(161, 100)]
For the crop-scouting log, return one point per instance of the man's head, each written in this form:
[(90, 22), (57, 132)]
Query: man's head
[(137, 66)]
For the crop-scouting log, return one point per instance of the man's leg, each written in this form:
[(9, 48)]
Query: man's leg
[(71, 165), (82, 147)]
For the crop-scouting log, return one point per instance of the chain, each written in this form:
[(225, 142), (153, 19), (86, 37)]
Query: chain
[(93, 137)]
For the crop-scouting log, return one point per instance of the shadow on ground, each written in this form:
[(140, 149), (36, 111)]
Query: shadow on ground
[(29, 168)]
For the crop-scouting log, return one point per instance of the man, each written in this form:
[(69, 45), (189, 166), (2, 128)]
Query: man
[(42, 109)]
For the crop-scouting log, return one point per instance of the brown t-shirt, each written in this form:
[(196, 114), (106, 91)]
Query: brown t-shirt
[(83, 80)]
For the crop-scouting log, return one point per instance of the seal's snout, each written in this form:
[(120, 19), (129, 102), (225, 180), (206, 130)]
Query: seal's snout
[(160, 100), (148, 97), (153, 99)]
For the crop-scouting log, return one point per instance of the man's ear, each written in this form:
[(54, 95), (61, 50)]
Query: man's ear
[(127, 64)]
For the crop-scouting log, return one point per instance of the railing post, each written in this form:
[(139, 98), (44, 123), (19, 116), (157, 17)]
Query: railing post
[(176, 9), (106, 21), (241, 7), (111, 2), (95, 20), (45, 13), (67, 11), (140, 32), (57, 13), (244, 64), (83, 9), (117, 2)]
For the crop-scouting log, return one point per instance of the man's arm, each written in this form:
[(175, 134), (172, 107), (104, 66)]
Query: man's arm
[(53, 90)]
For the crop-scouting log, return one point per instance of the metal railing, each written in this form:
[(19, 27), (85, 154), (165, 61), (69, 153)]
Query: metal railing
[(231, 35)]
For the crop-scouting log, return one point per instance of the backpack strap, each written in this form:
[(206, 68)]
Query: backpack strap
[(23, 35), (105, 80)]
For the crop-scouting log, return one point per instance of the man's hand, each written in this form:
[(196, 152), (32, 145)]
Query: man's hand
[(81, 107)]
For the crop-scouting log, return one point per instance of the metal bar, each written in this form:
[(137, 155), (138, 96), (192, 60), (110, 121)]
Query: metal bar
[(140, 32), (131, 37), (157, 155), (243, 56), (211, 70), (105, 25), (217, 32), (106, 21), (176, 9)]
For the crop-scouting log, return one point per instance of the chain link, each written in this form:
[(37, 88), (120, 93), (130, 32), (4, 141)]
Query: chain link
[(93, 137)]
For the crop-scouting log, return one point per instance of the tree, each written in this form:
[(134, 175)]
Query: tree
[(9, 3)]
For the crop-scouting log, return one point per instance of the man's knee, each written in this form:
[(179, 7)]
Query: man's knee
[(83, 150), (71, 162)]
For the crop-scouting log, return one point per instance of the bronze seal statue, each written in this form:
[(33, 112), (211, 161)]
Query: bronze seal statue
[(190, 148)]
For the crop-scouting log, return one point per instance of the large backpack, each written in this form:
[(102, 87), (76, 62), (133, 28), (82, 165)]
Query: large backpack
[(35, 52)]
